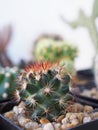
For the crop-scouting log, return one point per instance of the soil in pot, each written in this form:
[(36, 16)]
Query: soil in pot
[(75, 115)]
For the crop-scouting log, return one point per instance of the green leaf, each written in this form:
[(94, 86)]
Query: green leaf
[(95, 9)]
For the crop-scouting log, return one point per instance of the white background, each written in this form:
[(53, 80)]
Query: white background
[(30, 18)]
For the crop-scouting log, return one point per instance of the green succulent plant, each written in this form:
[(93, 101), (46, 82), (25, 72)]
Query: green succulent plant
[(7, 84), (54, 50), (44, 88)]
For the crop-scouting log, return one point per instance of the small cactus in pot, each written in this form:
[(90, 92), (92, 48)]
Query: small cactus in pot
[(44, 88)]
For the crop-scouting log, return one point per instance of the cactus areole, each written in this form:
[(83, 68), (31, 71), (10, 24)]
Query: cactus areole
[(44, 88)]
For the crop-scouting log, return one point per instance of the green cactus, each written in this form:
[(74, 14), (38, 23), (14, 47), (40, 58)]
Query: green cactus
[(7, 84), (89, 23), (44, 88), (53, 50)]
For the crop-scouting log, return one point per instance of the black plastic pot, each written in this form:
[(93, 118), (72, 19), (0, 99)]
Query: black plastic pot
[(85, 74), (93, 125), (78, 90), (88, 76), (7, 105), (5, 124)]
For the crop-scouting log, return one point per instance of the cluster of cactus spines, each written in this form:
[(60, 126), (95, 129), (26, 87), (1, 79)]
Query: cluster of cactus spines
[(44, 88), (89, 23), (7, 84), (54, 50)]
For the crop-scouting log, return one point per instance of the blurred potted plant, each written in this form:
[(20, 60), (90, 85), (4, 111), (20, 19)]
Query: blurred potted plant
[(89, 22), (53, 48), (5, 36), (7, 74), (7, 87), (7, 81)]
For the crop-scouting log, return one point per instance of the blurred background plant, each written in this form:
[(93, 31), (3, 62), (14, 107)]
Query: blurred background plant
[(7, 81), (54, 49), (5, 36), (89, 22)]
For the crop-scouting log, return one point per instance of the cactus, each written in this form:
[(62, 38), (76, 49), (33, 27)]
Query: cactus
[(7, 84), (89, 23), (54, 50), (44, 88)]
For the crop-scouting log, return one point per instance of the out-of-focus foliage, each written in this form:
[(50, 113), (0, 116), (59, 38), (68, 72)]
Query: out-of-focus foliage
[(89, 23), (5, 36), (7, 81), (53, 50), (95, 9)]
